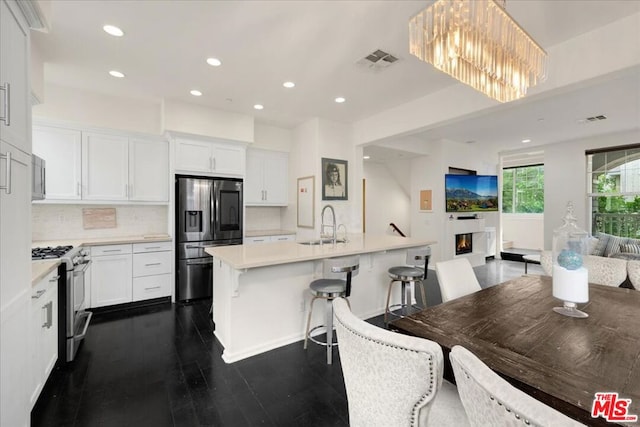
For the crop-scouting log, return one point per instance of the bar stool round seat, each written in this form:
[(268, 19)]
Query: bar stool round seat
[(329, 288), (408, 275)]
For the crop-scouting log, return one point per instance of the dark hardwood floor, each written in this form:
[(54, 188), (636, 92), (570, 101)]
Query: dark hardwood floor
[(160, 365)]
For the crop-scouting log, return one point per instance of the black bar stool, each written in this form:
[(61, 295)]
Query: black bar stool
[(329, 288), (414, 273)]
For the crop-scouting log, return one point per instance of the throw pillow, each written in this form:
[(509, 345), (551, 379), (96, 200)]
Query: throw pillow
[(630, 248), (603, 239)]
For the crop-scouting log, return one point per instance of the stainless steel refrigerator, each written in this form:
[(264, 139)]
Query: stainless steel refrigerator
[(208, 213)]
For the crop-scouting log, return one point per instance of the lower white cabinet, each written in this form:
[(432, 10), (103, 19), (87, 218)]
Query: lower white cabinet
[(130, 272), (43, 334), (151, 270), (268, 239), (111, 278)]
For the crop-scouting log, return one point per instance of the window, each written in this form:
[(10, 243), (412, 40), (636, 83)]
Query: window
[(523, 189), (613, 180)]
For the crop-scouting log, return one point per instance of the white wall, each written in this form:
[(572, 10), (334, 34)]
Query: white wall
[(525, 231), (272, 137), (195, 119), (386, 199), (95, 109), (64, 222), (263, 218)]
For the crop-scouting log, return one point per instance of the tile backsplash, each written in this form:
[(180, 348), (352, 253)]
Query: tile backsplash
[(57, 222), (262, 218)]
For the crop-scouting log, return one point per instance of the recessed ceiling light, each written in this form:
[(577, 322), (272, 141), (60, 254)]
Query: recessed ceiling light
[(366, 157), (258, 106), (196, 93), (113, 30), (214, 62), (340, 100), (524, 141), (117, 74), (289, 85)]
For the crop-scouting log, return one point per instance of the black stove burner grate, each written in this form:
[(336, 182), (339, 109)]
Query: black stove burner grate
[(50, 252)]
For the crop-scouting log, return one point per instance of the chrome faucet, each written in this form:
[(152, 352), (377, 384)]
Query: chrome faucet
[(333, 224)]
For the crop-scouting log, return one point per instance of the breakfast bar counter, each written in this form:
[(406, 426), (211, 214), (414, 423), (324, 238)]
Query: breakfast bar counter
[(261, 296)]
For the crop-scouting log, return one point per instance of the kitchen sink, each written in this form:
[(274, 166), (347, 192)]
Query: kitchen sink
[(321, 242)]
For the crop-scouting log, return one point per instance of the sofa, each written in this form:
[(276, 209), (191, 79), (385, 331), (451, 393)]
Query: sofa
[(612, 261)]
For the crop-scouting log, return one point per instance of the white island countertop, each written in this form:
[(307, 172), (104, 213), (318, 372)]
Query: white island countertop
[(275, 253)]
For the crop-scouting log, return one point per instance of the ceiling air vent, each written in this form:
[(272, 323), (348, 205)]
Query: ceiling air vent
[(377, 60), (596, 118)]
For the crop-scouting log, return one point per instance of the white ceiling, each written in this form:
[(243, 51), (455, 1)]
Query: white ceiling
[(316, 44)]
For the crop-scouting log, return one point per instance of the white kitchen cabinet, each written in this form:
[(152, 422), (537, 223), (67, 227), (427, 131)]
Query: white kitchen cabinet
[(152, 266), (208, 157), (266, 182), (61, 148), (105, 167), (15, 105), (268, 239), (148, 170), (43, 335), (111, 275), (130, 272)]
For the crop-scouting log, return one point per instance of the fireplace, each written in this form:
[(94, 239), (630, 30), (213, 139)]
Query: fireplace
[(464, 243)]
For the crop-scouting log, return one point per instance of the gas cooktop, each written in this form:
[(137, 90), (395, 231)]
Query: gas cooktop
[(49, 252)]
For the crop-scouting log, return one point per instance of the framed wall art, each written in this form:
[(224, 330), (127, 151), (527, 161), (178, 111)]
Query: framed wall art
[(306, 201), (334, 179)]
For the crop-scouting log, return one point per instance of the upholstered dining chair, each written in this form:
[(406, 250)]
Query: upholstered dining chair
[(393, 379), (456, 278), (489, 400)]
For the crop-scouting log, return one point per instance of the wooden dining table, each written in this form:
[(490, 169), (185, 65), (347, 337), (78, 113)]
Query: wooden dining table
[(559, 360)]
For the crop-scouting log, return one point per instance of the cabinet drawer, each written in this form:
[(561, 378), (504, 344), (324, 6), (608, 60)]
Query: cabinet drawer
[(150, 263), (256, 240), (110, 250), (151, 247), (151, 287), (283, 238)]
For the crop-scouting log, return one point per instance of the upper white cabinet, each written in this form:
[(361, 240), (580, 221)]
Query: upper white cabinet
[(148, 170), (209, 157), (105, 171), (266, 182), (99, 166), (15, 108), (61, 149)]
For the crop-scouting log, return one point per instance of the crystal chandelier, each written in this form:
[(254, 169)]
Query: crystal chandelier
[(478, 43)]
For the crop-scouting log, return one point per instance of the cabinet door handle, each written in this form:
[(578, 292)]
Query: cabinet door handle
[(151, 247), (49, 309), (211, 163), (214, 163), (7, 108), (54, 279), (7, 186), (266, 197), (38, 294), (151, 288), (152, 264), (78, 189), (112, 250)]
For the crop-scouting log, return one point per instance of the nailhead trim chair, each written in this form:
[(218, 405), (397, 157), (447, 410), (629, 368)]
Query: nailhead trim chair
[(393, 380), (489, 400)]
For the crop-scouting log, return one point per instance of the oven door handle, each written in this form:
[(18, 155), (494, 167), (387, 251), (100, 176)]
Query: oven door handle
[(80, 268), (88, 315)]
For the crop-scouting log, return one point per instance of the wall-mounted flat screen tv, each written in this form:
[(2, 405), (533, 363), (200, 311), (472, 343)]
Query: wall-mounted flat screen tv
[(471, 193)]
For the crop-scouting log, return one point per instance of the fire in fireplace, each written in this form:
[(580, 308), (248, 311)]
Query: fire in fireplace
[(464, 243)]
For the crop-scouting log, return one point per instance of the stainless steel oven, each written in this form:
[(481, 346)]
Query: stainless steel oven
[(72, 317)]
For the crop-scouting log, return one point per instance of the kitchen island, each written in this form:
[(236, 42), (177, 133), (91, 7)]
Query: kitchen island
[(260, 292)]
